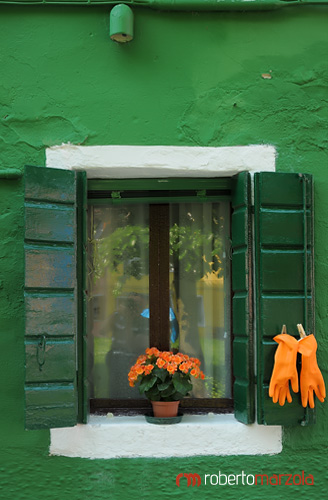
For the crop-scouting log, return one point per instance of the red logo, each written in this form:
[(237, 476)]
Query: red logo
[(194, 478)]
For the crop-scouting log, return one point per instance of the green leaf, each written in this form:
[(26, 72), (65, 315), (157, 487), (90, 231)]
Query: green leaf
[(168, 392), (177, 396), (182, 384), (153, 394), (165, 385), (147, 383), (161, 374)]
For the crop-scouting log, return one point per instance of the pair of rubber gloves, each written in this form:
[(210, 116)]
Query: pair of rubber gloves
[(285, 371)]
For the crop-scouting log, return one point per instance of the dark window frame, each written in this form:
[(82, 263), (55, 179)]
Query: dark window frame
[(158, 193)]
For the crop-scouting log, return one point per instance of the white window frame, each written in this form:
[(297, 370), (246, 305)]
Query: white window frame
[(115, 436)]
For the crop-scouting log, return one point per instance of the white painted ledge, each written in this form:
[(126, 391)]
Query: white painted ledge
[(195, 435), (120, 162)]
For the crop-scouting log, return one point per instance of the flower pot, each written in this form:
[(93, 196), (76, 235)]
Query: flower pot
[(165, 409)]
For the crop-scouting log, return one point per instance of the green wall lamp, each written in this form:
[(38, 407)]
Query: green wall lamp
[(121, 23)]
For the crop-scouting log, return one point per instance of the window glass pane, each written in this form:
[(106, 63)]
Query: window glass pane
[(118, 288), (200, 291), (198, 294)]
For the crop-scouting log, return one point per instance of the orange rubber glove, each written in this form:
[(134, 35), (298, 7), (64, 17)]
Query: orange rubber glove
[(284, 369), (311, 379)]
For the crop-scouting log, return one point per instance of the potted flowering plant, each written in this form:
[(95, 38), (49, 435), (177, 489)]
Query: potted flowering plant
[(164, 378)]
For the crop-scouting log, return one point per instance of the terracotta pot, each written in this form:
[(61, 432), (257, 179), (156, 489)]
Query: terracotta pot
[(165, 409)]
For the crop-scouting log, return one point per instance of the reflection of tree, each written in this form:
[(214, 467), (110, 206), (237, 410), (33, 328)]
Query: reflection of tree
[(196, 251), (119, 246), (123, 246), (199, 252)]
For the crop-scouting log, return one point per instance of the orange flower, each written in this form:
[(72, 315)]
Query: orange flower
[(177, 359), (172, 367), (164, 360), (160, 363), (133, 377), (184, 368), (166, 355), (148, 369), (152, 351), (195, 372)]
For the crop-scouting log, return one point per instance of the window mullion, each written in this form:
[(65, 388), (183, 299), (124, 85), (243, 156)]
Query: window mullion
[(159, 229)]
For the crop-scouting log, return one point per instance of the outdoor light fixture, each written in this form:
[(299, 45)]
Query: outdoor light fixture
[(121, 23)]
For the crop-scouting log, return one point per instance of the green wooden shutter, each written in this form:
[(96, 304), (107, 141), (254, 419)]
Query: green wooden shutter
[(284, 278), (51, 297), (242, 318)]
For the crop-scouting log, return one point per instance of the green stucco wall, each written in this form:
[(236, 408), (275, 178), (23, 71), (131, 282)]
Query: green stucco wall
[(186, 79)]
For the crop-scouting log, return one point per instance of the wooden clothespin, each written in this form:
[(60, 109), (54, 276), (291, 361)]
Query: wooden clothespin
[(301, 331), (284, 329)]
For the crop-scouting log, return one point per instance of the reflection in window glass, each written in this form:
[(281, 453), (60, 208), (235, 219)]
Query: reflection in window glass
[(118, 285), (199, 291), (199, 294)]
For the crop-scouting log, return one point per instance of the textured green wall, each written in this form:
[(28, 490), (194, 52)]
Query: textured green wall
[(186, 79)]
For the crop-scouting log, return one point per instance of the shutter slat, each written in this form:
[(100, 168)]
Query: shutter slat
[(242, 320), (57, 312), (51, 297), (50, 267), (283, 226), (284, 278), (58, 357), (52, 185), (50, 223), (290, 280), (287, 306), (50, 406)]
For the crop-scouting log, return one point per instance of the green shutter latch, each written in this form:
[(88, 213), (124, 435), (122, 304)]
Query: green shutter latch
[(201, 194)]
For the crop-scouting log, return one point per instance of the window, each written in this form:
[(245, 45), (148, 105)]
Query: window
[(159, 275), (280, 290)]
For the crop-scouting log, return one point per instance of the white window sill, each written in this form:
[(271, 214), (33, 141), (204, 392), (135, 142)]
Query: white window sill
[(132, 437)]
